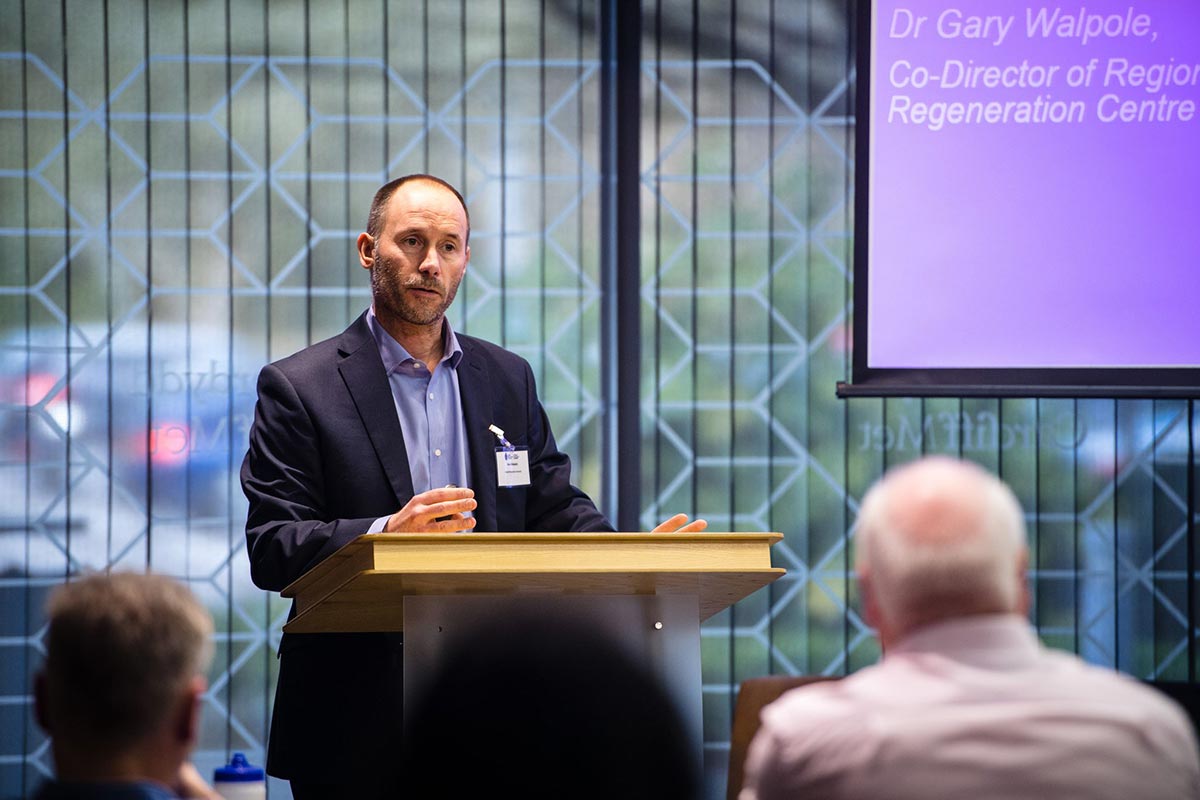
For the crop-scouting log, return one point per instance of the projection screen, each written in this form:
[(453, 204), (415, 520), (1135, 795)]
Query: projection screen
[(1027, 212)]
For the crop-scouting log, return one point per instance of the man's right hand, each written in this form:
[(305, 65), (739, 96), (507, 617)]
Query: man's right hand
[(436, 511)]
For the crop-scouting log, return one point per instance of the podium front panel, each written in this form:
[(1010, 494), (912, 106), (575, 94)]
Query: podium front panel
[(661, 632)]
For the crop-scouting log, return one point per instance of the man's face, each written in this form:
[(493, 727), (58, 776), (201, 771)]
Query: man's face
[(420, 255)]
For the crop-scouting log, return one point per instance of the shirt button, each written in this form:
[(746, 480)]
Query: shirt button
[(437, 452), (431, 395)]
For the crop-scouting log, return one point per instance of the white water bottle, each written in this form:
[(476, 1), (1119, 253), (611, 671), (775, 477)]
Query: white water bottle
[(240, 780)]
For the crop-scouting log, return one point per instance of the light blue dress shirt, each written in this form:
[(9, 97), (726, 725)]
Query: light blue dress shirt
[(430, 410)]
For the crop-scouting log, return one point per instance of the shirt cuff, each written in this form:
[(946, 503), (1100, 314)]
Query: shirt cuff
[(378, 525)]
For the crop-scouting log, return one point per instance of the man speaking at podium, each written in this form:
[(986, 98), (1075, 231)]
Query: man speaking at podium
[(396, 425)]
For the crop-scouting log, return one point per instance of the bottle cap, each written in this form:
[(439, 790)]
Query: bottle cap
[(239, 770)]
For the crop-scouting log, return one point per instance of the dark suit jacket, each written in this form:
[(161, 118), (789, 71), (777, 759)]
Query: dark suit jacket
[(132, 790), (327, 459)]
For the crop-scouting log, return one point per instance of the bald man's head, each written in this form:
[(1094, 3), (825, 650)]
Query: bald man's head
[(937, 539)]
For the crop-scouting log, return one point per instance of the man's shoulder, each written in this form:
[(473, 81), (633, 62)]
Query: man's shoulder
[(319, 352), (810, 735), (895, 689), (1113, 692), (826, 705), (474, 347), (325, 354)]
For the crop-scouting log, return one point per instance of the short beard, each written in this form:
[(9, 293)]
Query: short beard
[(390, 293)]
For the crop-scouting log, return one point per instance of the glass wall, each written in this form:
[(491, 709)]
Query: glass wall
[(181, 185), (746, 254)]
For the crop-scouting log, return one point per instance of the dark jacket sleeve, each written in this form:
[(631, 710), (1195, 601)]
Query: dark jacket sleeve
[(289, 525)]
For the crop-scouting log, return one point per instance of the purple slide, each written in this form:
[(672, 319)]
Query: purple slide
[(1034, 184)]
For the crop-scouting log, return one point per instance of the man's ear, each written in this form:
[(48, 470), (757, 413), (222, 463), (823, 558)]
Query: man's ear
[(366, 250), (871, 611), (41, 703), (866, 594), (1024, 599), (186, 725)]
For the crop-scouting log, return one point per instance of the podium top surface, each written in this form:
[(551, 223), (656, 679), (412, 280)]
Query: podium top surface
[(362, 586)]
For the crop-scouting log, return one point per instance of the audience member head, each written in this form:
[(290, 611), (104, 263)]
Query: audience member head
[(120, 689), (540, 707), (939, 539)]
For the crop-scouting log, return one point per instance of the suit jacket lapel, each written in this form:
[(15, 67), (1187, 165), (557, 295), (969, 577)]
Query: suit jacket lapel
[(365, 379), (474, 389)]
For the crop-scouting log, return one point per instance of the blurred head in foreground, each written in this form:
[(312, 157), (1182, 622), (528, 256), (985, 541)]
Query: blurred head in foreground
[(538, 707), (120, 689)]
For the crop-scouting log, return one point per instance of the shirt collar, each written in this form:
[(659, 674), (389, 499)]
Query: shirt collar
[(396, 355), (997, 641)]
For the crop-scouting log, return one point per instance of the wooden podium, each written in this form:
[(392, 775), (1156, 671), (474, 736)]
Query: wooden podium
[(650, 591)]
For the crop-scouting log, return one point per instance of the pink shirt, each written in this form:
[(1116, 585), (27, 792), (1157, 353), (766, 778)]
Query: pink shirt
[(974, 708)]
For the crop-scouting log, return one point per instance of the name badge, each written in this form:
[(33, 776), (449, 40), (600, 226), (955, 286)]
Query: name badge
[(512, 467)]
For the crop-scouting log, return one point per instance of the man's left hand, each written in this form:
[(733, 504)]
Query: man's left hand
[(679, 524)]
